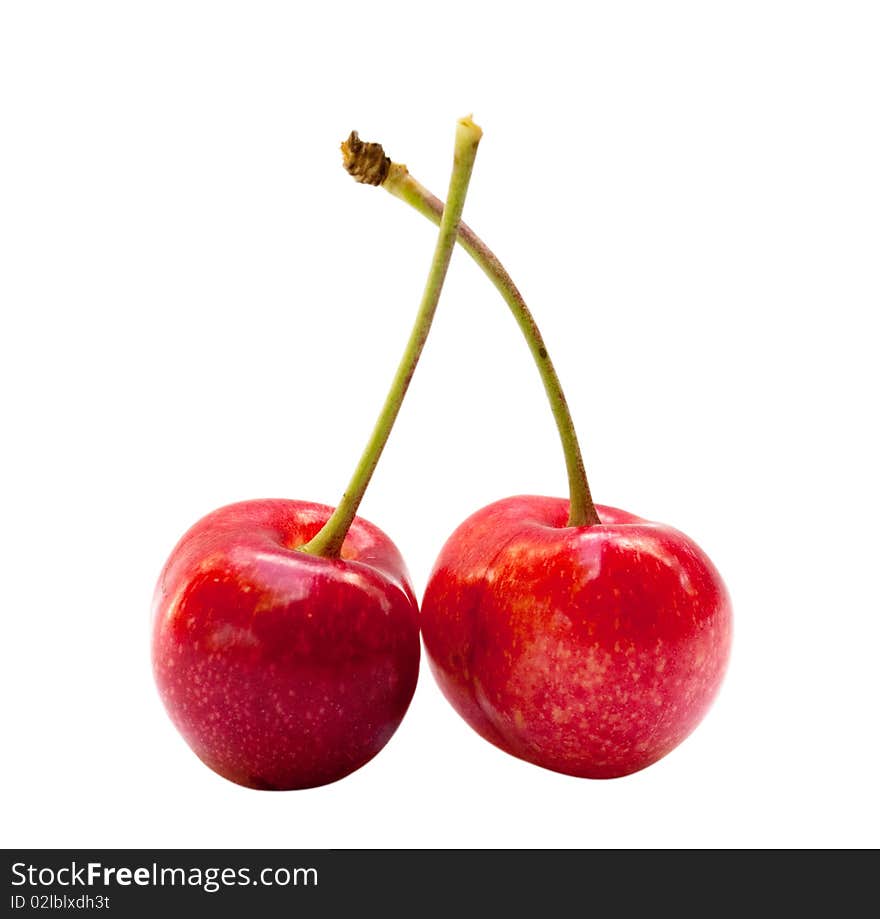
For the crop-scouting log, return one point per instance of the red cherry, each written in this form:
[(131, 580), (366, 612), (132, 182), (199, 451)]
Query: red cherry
[(285, 634), (280, 669), (592, 650), (577, 637)]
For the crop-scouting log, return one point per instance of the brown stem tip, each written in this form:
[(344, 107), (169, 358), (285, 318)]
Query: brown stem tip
[(365, 162)]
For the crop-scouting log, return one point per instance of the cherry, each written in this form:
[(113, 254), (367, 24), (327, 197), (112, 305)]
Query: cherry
[(578, 637), (592, 650), (285, 633), (283, 669)]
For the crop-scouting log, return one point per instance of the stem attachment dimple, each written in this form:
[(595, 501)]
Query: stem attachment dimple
[(328, 540), (398, 181)]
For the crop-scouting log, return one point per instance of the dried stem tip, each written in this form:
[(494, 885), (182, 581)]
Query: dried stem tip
[(365, 162)]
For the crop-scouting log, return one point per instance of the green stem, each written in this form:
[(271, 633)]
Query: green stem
[(396, 179), (328, 540)]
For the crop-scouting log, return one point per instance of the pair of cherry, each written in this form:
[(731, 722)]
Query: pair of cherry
[(581, 638)]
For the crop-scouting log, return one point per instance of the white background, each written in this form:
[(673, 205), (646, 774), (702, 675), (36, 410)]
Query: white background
[(199, 306)]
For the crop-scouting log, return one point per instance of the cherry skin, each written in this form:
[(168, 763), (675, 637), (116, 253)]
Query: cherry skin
[(592, 651), (281, 669)]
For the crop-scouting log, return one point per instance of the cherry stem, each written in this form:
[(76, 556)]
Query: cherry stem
[(367, 163), (328, 540)]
